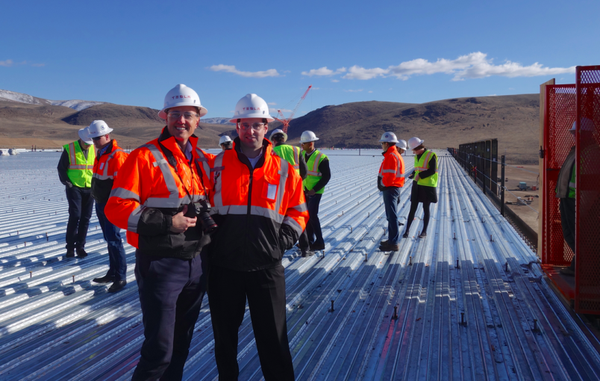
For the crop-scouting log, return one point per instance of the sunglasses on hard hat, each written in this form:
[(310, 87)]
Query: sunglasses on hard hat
[(186, 115)]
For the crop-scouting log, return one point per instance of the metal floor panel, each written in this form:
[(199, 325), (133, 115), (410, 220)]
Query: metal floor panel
[(468, 302)]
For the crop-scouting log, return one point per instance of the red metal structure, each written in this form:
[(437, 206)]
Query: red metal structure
[(286, 122), (565, 104)]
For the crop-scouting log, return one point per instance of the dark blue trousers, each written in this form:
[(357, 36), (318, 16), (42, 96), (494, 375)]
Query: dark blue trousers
[(80, 211), (312, 235), (117, 263), (171, 292), (391, 195)]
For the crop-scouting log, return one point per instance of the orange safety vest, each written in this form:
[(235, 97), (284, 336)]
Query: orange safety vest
[(392, 168), (106, 167), (252, 206), (147, 180)]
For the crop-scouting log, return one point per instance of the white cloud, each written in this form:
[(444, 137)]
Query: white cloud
[(473, 65), (249, 74), (6, 63), (335, 80), (272, 103), (353, 91), (324, 72)]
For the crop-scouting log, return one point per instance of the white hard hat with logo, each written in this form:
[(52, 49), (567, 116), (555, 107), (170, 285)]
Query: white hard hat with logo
[(224, 139), (278, 131), (98, 128), (179, 96), (85, 136), (251, 106), (388, 137), (308, 136), (402, 144), (415, 142)]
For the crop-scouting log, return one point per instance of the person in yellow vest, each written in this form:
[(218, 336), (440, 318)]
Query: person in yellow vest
[(75, 172), (425, 180), (318, 176), (287, 152)]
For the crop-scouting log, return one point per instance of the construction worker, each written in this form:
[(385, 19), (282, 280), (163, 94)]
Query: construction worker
[(314, 186), (401, 146), (159, 196), (260, 210), (225, 142), (425, 180), (290, 153), (109, 159), (389, 181), (75, 172)]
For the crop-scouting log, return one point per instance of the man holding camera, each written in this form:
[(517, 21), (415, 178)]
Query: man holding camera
[(260, 209), (159, 191)]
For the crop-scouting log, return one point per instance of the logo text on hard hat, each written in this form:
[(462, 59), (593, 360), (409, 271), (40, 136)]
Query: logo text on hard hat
[(251, 108), (181, 96)]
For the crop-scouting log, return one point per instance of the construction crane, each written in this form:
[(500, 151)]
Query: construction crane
[(286, 122)]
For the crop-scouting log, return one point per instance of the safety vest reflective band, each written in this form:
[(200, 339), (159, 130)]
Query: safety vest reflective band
[(269, 191), (101, 172), (80, 169), (289, 154), (313, 174), (423, 165)]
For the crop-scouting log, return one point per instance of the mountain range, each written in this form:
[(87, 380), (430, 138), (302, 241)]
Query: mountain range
[(27, 121)]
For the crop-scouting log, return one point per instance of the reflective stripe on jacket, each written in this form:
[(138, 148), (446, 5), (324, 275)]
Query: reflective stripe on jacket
[(149, 191), (290, 154), (392, 168), (106, 167), (313, 170), (423, 165), (80, 168), (260, 211)]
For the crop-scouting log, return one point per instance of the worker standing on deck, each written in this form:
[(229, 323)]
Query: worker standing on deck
[(75, 169), (425, 180), (225, 142), (160, 197), (389, 181), (260, 209), (290, 153), (109, 159), (318, 176)]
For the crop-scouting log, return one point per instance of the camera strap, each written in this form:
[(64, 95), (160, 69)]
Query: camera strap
[(173, 163)]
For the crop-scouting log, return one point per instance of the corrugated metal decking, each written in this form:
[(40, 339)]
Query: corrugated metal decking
[(466, 303)]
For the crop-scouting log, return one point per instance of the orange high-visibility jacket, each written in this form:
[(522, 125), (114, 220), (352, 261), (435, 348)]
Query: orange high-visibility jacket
[(106, 167), (392, 168), (153, 185), (260, 211)]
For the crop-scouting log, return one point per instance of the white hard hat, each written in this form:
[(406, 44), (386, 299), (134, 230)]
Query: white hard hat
[(224, 139), (402, 144), (585, 125), (251, 106), (415, 142), (98, 128), (308, 136), (388, 137), (181, 95), (278, 131), (85, 136)]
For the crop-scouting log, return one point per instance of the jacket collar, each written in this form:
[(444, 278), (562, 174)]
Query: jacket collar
[(169, 141), (267, 151), (390, 150)]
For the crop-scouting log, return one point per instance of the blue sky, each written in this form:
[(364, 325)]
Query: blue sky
[(133, 52)]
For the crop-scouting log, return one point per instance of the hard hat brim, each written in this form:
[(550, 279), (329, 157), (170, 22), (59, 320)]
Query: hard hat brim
[(249, 116), (163, 115), (83, 135), (101, 134)]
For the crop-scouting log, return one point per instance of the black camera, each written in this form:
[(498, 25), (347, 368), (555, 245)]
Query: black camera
[(201, 210)]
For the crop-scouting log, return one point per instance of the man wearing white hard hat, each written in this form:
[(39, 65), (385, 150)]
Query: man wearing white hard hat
[(225, 142), (109, 159), (317, 177), (260, 209), (160, 197), (389, 181), (75, 172), (290, 153)]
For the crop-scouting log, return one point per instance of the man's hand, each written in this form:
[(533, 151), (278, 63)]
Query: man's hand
[(181, 223), (311, 192), (416, 178), (69, 185)]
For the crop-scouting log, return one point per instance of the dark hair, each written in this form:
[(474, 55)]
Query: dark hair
[(419, 147)]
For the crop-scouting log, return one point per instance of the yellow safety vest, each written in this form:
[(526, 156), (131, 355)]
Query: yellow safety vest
[(80, 170), (313, 174), (423, 165), (289, 154)]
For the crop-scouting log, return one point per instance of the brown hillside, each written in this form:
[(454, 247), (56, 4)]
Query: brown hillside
[(512, 119)]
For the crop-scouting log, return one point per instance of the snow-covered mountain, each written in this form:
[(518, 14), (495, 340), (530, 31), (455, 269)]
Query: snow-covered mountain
[(75, 104), (217, 121)]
